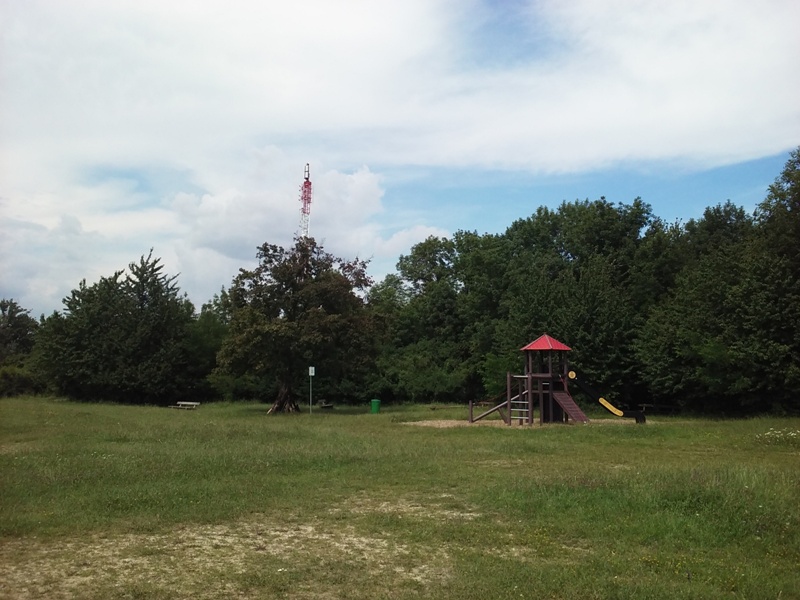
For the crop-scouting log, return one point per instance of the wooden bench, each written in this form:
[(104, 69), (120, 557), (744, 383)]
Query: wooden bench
[(186, 405)]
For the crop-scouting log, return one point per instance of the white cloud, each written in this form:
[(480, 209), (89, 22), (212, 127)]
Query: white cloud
[(400, 242), (185, 126)]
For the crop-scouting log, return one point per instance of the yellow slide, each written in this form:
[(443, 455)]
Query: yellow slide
[(633, 414)]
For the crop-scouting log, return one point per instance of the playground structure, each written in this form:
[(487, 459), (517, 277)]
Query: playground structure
[(545, 385)]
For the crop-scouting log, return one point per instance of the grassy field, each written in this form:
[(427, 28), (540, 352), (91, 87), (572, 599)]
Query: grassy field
[(103, 501)]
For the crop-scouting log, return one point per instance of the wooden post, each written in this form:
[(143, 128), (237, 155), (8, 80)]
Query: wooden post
[(540, 394), (508, 397), (530, 398), (550, 387)]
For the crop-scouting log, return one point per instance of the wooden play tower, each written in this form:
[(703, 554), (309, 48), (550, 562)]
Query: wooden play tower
[(543, 385)]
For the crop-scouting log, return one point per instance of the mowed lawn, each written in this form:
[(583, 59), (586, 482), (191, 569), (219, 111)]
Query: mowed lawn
[(104, 501)]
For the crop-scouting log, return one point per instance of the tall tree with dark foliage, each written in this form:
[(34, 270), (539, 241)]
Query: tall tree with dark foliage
[(299, 307)]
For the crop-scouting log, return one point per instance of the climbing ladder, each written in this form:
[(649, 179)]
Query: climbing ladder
[(520, 409)]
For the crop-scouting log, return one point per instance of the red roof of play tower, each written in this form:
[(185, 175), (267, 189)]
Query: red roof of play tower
[(545, 342)]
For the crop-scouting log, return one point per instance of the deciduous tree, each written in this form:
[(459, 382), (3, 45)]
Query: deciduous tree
[(297, 308)]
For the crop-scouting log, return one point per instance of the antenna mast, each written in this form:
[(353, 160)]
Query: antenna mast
[(305, 199)]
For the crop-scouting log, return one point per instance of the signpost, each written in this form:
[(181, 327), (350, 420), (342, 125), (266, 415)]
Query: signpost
[(310, 386)]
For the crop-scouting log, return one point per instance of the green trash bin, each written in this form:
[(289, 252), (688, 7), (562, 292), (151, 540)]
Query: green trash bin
[(376, 406)]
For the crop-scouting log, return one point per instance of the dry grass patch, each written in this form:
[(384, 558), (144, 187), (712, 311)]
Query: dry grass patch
[(11, 448)]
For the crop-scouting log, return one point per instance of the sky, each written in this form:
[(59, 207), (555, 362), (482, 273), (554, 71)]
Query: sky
[(185, 126)]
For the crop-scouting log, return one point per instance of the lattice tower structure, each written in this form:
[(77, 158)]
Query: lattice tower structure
[(305, 200)]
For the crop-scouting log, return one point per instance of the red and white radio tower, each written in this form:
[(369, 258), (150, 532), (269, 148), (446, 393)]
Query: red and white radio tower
[(305, 198)]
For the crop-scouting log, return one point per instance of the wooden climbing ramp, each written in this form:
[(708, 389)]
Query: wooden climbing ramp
[(566, 402)]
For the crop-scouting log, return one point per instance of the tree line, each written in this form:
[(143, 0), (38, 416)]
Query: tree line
[(702, 315)]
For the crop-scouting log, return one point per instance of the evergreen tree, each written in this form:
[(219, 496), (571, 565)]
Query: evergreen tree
[(123, 338), (17, 332), (17, 336)]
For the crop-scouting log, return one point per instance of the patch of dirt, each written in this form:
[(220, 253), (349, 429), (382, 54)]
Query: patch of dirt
[(439, 507), (510, 463), (445, 424), (209, 561)]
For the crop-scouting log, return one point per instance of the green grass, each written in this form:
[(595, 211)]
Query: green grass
[(102, 501)]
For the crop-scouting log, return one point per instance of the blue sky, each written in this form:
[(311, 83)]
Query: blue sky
[(491, 201), (185, 126)]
